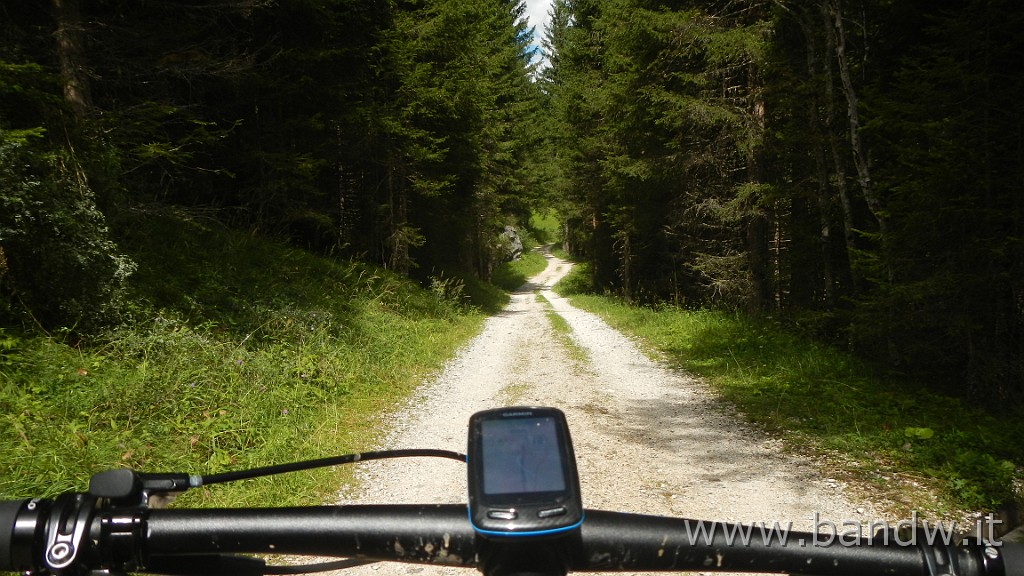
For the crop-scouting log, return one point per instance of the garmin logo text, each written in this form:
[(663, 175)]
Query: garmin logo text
[(517, 413)]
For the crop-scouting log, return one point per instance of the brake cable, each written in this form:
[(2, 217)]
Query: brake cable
[(126, 486), (332, 461)]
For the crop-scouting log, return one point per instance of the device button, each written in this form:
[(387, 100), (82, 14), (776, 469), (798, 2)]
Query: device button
[(551, 512), (502, 514)]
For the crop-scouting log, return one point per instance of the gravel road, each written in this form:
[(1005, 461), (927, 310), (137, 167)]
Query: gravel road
[(648, 439)]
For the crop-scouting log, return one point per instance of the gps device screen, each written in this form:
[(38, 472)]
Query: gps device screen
[(522, 473), (521, 456)]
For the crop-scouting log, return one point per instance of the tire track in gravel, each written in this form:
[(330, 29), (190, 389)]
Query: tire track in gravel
[(648, 439)]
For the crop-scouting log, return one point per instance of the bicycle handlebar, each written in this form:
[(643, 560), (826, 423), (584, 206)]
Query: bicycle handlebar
[(76, 533)]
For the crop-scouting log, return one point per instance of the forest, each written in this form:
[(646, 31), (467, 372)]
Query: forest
[(853, 167)]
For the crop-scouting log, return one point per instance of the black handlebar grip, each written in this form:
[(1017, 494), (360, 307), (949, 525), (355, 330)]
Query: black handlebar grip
[(8, 515)]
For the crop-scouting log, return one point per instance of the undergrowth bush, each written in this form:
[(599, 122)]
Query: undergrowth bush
[(57, 260), (246, 353)]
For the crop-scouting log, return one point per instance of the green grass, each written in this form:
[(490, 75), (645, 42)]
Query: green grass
[(486, 297), (242, 353), (893, 436), (512, 275), (545, 226)]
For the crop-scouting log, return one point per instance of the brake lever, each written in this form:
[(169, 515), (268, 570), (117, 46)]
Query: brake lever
[(124, 486)]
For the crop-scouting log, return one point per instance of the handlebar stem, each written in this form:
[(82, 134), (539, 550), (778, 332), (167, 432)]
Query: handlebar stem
[(533, 558)]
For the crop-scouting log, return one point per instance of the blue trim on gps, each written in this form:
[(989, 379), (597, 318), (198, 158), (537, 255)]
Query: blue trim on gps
[(530, 534)]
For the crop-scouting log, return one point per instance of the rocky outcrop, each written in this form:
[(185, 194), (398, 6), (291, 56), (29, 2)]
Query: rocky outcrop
[(510, 244)]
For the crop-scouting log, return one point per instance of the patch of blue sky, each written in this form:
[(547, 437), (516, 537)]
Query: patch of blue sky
[(538, 15)]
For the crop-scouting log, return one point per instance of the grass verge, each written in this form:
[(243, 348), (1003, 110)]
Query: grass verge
[(919, 450), (242, 353), (563, 333), (512, 275)]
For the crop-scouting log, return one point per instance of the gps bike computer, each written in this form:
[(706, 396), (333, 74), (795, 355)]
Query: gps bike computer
[(522, 473)]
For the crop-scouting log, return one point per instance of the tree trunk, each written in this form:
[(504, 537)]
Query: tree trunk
[(71, 55), (398, 211), (400, 232), (832, 140), (860, 161), (824, 201), (626, 258), (757, 244), (835, 11)]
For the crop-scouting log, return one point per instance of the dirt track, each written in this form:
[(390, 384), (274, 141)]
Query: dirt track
[(648, 439)]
